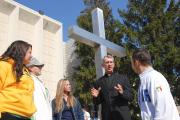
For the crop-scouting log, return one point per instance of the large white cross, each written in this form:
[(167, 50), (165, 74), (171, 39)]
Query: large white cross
[(97, 40)]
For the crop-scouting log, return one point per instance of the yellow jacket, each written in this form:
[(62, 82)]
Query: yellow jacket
[(16, 98)]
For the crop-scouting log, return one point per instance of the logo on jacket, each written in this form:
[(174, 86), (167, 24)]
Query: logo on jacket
[(159, 89), (146, 96)]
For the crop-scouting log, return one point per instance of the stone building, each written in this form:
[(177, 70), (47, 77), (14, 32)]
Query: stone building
[(18, 22)]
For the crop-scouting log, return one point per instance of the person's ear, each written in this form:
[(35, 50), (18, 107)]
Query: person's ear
[(136, 62)]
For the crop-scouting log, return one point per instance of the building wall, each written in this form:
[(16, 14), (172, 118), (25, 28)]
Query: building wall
[(18, 22), (70, 59)]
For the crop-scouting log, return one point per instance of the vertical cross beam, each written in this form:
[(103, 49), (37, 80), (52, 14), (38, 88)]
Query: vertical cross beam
[(100, 50)]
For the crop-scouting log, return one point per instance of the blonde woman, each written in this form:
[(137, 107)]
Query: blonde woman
[(65, 106)]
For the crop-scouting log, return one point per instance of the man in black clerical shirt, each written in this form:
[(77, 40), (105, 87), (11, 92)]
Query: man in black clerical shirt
[(113, 92)]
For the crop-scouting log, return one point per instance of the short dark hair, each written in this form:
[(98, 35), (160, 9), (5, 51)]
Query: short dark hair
[(142, 55)]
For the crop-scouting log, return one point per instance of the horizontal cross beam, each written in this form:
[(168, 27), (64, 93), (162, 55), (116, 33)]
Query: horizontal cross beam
[(93, 40)]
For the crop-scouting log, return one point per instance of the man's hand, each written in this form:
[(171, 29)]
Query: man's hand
[(95, 92), (119, 88)]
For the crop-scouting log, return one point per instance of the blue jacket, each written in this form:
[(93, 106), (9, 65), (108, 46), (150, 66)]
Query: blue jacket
[(77, 111)]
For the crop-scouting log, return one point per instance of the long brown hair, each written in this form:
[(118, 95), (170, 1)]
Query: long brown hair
[(16, 51), (59, 96)]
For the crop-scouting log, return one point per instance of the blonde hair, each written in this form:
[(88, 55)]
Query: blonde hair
[(59, 96)]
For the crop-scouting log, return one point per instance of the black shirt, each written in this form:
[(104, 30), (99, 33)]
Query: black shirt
[(114, 104)]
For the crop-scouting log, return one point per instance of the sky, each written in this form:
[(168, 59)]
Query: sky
[(67, 11)]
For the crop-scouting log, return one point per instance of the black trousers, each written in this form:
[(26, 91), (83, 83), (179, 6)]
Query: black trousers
[(9, 116)]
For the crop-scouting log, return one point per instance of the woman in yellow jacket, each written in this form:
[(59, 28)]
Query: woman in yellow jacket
[(16, 85)]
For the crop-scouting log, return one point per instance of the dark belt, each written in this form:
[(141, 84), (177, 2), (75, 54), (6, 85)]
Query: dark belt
[(10, 116)]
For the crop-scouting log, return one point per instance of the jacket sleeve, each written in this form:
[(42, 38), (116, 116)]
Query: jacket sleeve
[(99, 99), (79, 111), (127, 92), (158, 92), (54, 115)]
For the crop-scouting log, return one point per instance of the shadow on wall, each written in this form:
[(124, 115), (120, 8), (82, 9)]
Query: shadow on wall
[(71, 60)]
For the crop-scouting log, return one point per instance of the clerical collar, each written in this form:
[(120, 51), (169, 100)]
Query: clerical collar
[(106, 74)]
